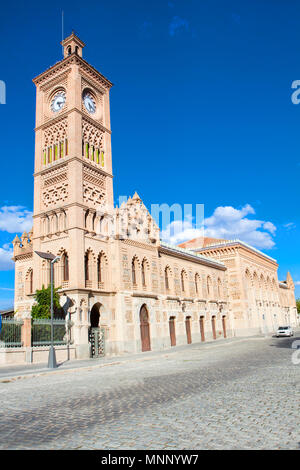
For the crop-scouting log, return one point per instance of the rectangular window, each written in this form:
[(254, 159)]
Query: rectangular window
[(97, 156), (66, 146), (55, 152), (45, 156), (87, 150), (92, 153), (102, 158), (49, 154)]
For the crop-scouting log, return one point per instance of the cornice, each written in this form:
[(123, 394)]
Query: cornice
[(85, 290), (238, 246), (56, 80), (266, 258), (23, 256), (65, 206), (186, 256), (64, 115), (144, 294), (128, 241), (72, 59), (65, 161)]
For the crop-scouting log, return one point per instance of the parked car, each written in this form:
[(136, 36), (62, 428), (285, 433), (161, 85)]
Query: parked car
[(284, 331)]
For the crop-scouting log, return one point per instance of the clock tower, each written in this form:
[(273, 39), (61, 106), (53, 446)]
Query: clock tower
[(73, 168)]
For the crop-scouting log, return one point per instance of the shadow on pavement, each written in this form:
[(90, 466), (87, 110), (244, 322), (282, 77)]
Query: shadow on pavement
[(285, 343)]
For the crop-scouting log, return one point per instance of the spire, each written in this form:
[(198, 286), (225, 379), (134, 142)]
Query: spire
[(289, 280), (136, 197), (16, 240)]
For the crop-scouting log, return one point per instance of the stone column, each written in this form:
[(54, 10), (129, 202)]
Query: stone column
[(26, 338)]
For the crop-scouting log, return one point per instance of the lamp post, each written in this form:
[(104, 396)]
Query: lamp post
[(52, 258)]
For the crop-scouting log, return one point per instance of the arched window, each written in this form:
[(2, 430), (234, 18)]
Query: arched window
[(94, 222), (31, 282), (197, 283), (133, 271), (65, 267), (86, 267), (86, 219), (69, 50), (64, 220), (143, 273), (167, 283), (220, 293), (100, 268), (182, 281), (209, 289)]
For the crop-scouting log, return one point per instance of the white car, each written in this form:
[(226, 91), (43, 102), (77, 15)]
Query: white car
[(284, 331)]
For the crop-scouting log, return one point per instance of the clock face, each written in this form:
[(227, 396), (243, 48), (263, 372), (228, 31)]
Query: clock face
[(89, 103), (58, 101)]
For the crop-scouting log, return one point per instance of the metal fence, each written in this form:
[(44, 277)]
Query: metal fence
[(11, 333), (97, 342), (41, 332)]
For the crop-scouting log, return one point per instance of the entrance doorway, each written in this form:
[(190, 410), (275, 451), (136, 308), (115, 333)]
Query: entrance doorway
[(95, 316), (172, 331), (188, 330), (213, 327), (96, 334), (145, 329), (202, 332)]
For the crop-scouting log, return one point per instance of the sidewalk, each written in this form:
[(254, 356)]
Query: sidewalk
[(15, 372)]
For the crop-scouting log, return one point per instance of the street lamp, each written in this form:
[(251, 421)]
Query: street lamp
[(52, 258)]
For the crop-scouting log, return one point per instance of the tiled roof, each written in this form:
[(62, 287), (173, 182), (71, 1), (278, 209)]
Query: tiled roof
[(233, 242), (191, 253)]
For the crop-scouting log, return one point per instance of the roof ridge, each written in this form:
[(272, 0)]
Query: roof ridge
[(191, 253)]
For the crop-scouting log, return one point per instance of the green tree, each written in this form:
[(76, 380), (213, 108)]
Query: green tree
[(298, 305), (41, 309)]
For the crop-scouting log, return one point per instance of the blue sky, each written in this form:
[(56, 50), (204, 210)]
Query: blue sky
[(201, 110)]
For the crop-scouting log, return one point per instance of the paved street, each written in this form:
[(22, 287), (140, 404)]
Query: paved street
[(239, 394)]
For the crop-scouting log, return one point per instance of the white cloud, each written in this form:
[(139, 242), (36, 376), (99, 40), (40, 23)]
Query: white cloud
[(6, 263), (290, 225), (226, 222), (179, 231), (229, 223), (15, 219), (297, 283)]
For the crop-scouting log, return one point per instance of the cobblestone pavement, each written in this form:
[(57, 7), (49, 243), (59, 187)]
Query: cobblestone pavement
[(243, 394)]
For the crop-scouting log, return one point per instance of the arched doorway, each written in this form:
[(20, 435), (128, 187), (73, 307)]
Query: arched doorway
[(202, 331), (172, 331), (96, 334), (188, 330), (224, 326), (145, 329), (213, 327), (95, 316)]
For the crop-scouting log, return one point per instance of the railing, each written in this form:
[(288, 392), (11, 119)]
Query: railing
[(11, 333), (41, 332)]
